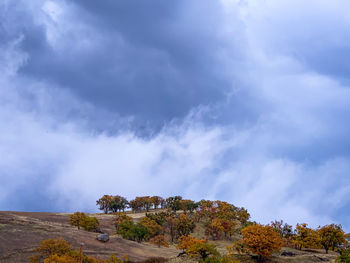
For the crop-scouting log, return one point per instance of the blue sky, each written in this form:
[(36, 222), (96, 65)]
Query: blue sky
[(246, 101)]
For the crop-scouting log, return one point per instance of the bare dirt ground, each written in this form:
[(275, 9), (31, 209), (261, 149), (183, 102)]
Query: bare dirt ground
[(21, 233)]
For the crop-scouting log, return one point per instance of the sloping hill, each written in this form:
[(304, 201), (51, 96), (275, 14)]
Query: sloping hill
[(21, 233)]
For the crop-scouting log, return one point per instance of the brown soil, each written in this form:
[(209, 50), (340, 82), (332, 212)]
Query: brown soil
[(21, 233)]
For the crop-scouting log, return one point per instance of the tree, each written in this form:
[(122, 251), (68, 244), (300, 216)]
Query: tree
[(331, 236), (202, 250), (105, 203), (215, 229), (121, 217), (305, 237), (76, 219), (159, 240), (174, 203), (184, 225), (230, 227), (188, 205), (135, 232), (184, 242), (118, 203), (156, 200), (140, 233), (261, 240), (170, 227), (151, 225), (160, 218)]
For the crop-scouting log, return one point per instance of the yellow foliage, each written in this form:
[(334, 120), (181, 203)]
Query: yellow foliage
[(261, 240), (184, 242), (151, 225), (60, 259)]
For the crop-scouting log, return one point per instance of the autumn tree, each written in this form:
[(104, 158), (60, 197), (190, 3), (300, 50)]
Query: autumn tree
[(285, 231), (305, 237), (230, 227), (77, 219), (331, 236), (215, 229), (156, 201), (188, 205), (160, 217), (174, 203), (170, 227), (184, 242), (118, 203), (261, 240), (105, 203), (205, 208), (159, 240), (184, 225), (152, 226), (136, 205)]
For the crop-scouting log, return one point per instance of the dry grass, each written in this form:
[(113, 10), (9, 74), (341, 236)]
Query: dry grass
[(21, 233)]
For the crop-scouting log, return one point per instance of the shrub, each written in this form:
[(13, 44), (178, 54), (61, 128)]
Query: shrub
[(80, 219), (136, 232), (90, 223), (184, 242), (344, 256), (202, 250)]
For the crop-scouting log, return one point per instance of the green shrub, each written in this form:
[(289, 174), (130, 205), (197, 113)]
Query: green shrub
[(90, 223), (131, 231)]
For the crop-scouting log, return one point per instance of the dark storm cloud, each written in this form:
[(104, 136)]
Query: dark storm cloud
[(156, 60)]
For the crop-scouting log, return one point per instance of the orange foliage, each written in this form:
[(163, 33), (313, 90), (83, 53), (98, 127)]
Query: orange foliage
[(261, 240), (184, 242)]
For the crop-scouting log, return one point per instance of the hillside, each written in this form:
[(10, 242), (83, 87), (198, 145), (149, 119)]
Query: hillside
[(21, 233)]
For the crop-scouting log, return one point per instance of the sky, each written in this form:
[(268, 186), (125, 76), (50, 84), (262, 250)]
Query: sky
[(246, 101)]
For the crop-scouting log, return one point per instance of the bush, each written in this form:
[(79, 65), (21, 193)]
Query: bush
[(131, 231), (202, 250), (90, 223), (344, 256), (80, 219)]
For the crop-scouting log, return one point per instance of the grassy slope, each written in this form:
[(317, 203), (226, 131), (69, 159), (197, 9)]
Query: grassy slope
[(21, 233)]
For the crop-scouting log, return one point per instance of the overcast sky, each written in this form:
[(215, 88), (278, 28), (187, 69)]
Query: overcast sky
[(246, 101)]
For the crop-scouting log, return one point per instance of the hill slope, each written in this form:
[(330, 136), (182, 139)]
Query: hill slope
[(21, 233)]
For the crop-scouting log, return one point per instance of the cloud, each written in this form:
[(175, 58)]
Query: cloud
[(227, 100)]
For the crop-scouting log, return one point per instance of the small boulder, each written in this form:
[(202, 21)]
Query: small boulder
[(103, 237), (288, 254)]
